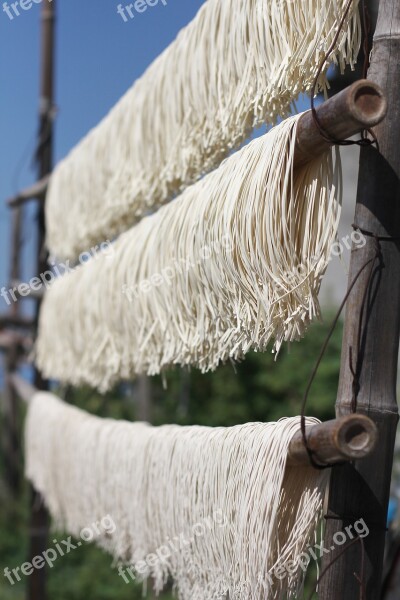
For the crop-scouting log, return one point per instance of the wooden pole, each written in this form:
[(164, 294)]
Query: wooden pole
[(343, 439), (10, 398), (16, 320), (39, 517), (361, 489), (37, 191), (10, 425), (143, 399), (30, 293), (360, 106), (25, 390), (352, 436), (10, 339)]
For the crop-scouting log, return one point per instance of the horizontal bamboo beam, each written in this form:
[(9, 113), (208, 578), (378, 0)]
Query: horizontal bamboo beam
[(12, 339), (25, 390), (344, 439), (37, 191), (16, 321), (360, 106), (36, 294)]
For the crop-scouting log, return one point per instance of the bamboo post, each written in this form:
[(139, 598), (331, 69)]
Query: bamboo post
[(39, 517), (361, 489), (10, 425), (37, 294), (11, 444), (16, 320), (143, 394), (37, 191), (340, 440), (343, 439), (360, 106), (10, 399), (25, 390)]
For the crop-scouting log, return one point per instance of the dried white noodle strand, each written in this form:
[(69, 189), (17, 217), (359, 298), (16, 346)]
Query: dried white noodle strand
[(159, 483), (237, 65), (234, 263)]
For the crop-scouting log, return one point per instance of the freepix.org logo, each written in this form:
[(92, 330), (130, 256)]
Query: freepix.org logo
[(129, 11), (13, 9), (49, 556)]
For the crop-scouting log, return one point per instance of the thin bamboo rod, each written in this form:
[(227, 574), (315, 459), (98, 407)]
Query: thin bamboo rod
[(10, 435), (12, 339), (340, 440), (25, 390), (18, 320), (39, 518), (36, 294), (358, 107), (37, 191)]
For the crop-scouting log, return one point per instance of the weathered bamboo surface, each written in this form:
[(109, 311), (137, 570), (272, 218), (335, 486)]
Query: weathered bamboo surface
[(361, 490), (37, 191), (360, 106), (345, 439)]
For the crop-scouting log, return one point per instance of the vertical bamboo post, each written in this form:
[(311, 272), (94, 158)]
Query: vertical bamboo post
[(361, 490), (11, 445), (39, 517), (144, 399)]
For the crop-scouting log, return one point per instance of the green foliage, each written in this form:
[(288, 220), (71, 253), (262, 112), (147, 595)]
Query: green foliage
[(261, 388)]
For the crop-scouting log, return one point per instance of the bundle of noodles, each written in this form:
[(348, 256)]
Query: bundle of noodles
[(217, 509), (237, 65), (234, 262)]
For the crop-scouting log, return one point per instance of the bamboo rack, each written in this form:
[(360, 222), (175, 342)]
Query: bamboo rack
[(350, 438), (360, 106), (37, 191), (340, 440)]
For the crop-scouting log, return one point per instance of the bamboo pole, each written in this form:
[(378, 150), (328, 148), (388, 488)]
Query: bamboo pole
[(25, 390), (37, 191), (37, 294), (16, 320), (10, 424), (340, 440), (360, 106), (39, 523), (13, 339), (344, 439), (10, 399), (361, 490)]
